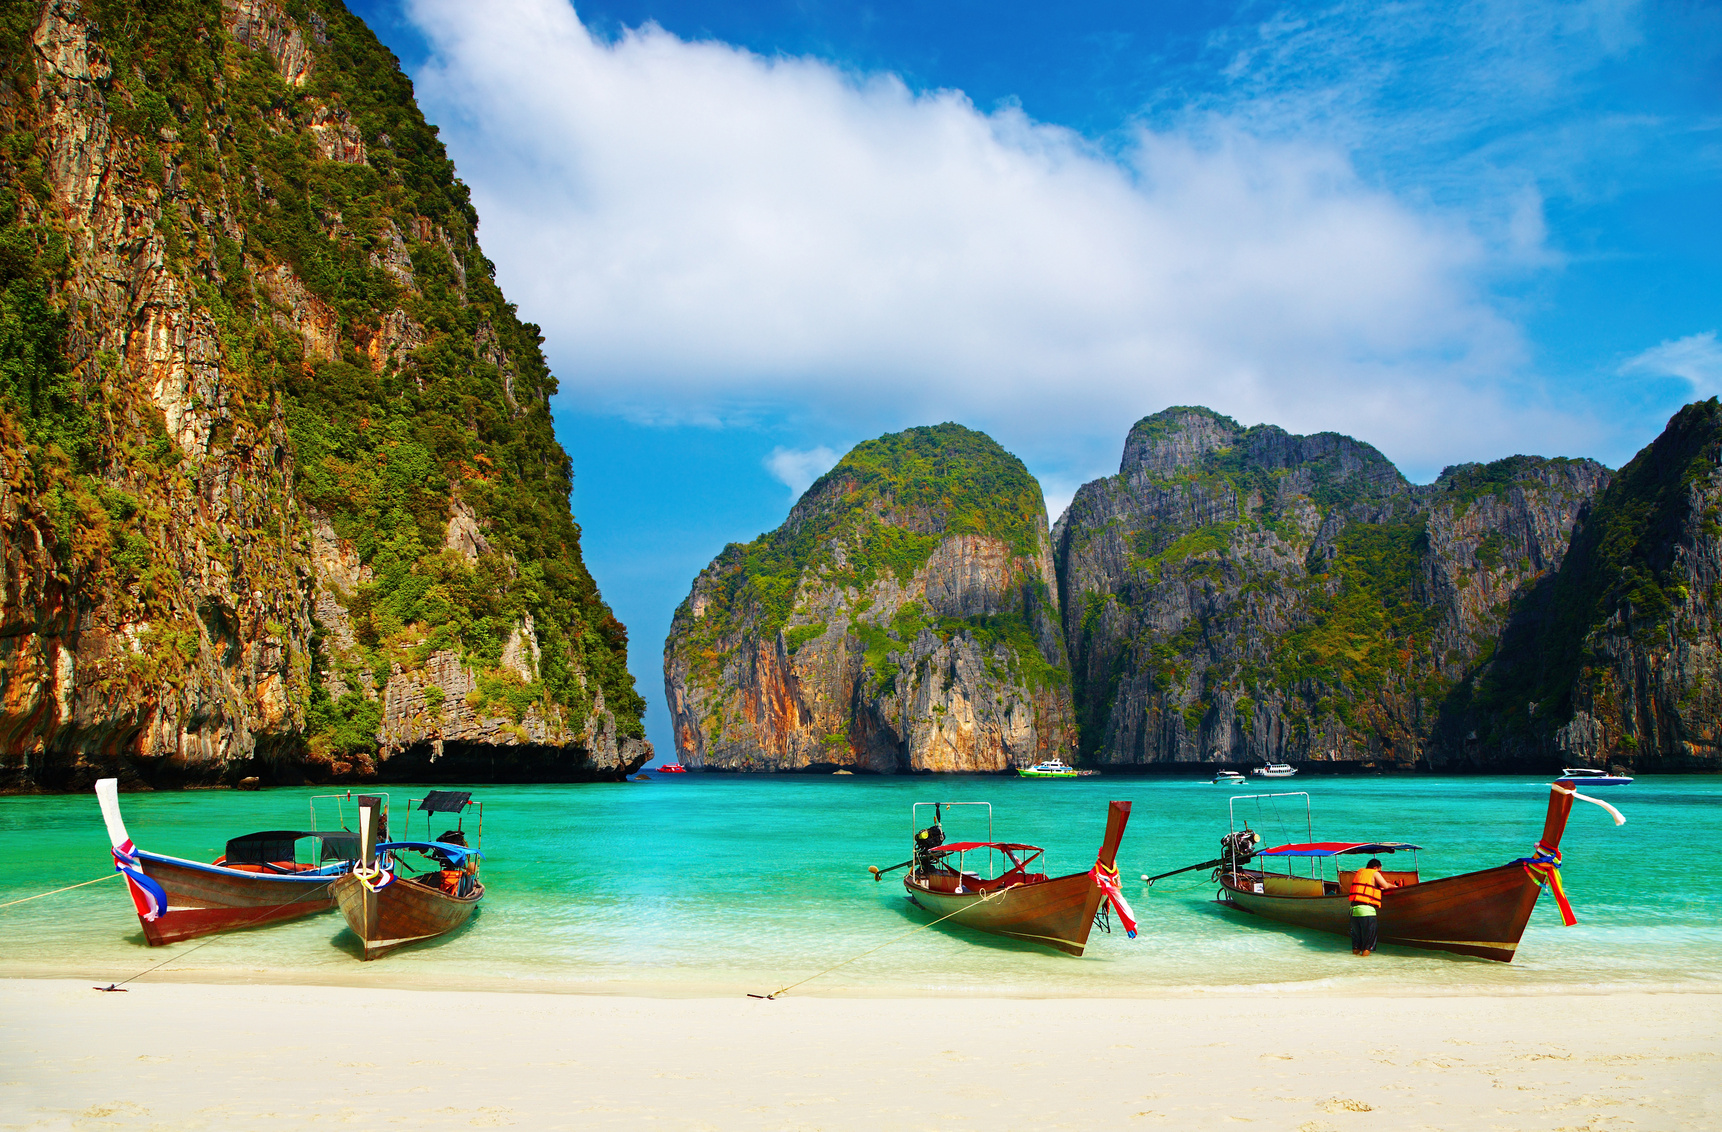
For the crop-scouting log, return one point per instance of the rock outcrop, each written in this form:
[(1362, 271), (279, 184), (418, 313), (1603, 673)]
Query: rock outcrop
[(1239, 595), (279, 494), (902, 619), (1616, 658)]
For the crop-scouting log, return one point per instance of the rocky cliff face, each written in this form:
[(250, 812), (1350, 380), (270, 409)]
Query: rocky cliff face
[(1616, 658), (278, 489), (902, 619), (1238, 595)]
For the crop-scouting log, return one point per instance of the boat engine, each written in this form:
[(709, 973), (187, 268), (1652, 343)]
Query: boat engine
[(1237, 848), (926, 840)]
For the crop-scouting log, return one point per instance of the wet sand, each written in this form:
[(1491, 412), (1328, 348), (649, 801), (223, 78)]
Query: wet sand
[(277, 1057)]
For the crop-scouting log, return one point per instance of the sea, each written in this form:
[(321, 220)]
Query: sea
[(717, 884)]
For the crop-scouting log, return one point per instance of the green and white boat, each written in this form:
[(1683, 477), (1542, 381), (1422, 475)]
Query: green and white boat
[(1052, 768)]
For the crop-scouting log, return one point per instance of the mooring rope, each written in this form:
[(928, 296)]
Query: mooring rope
[(68, 888), (984, 898), (215, 936)]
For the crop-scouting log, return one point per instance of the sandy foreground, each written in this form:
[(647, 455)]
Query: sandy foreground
[(177, 1056)]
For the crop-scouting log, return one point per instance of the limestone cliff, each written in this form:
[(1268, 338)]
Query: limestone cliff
[(1240, 595), (1617, 657), (279, 493), (903, 618)]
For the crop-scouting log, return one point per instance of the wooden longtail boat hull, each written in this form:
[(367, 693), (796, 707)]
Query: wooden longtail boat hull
[(204, 899), (1482, 913), (1057, 912), (402, 912)]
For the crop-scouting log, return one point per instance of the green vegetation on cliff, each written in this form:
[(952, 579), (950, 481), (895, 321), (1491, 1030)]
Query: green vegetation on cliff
[(396, 423), (881, 511), (1623, 562)]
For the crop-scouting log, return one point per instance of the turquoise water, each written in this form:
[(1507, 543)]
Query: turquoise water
[(708, 884)]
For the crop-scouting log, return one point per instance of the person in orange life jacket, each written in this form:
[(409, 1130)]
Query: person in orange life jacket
[(1367, 885)]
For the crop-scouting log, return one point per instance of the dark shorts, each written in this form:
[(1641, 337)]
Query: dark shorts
[(1363, 932)]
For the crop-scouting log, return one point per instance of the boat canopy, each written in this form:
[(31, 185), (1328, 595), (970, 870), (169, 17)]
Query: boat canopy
[(452, 852), (968, 846), (277, 845), (1335, 848), (445, 801)]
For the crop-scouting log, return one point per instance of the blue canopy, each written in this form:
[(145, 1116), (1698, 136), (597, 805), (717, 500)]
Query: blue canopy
[(455, 853), (1334, 848)]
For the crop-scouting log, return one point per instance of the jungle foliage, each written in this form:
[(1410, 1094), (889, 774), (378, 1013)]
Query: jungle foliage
[(881, 511), (386, 442)]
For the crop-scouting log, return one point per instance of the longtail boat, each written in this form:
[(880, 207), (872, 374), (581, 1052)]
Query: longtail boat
[(1058, 912), (388, 903), (1482, 913), (263, 878)]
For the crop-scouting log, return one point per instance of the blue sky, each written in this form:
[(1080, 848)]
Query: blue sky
[(756, 234)]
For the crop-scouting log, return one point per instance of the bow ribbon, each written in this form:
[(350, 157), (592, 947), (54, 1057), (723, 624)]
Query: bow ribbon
[(374, 879), (1545, 869), (148, 896), (1106, 878)]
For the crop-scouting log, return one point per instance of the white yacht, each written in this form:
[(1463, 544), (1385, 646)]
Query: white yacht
[(1275, 770)]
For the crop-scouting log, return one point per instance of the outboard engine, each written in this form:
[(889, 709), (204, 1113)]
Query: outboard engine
[(1236, 849), (926, 840)]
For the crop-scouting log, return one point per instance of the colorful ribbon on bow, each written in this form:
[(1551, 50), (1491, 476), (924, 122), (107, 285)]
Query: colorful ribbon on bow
[(148, 896), (1545, 869), (374, 879), (1106, 877)]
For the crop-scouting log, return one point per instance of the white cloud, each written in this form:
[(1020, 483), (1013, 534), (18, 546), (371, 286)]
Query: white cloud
[(798, 468), (1697, 358), (703, 231)]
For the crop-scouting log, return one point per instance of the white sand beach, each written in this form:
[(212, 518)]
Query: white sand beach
[(273, 1057)]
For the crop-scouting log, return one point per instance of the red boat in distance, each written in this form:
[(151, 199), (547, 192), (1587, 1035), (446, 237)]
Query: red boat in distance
[(1482, 913), (669, 768)]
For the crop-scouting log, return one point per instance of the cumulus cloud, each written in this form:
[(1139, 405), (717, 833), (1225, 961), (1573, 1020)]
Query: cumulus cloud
[(796, 468), (703, 231), (1697, 358)]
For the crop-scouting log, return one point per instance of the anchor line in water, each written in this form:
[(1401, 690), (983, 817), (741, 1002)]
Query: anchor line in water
[(181, 955), (68, 888), (984, 898)]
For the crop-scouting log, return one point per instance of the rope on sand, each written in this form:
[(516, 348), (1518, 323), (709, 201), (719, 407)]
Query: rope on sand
[(984, 898)]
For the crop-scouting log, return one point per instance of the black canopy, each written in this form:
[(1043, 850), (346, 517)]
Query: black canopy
[(445, 801), (277, 845)]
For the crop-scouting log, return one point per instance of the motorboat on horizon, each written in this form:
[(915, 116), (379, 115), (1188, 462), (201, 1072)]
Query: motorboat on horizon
[(1588, 776), (1052, 768)]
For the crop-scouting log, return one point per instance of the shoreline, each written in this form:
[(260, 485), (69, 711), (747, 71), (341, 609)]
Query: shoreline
[(272, 1056), (378, 976), (1199, 773)]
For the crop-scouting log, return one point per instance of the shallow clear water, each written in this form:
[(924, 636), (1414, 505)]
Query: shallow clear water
[(704, 884)]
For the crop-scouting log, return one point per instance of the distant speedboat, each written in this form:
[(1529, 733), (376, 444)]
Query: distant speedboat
[(1275, 770), (1051, 768), (669, 768), (1587, 776), (1229, 778)]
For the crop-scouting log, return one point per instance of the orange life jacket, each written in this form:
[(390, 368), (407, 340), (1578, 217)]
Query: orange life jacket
[(1366, 887)]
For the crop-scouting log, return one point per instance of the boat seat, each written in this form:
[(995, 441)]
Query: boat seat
[(1278, 884)]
